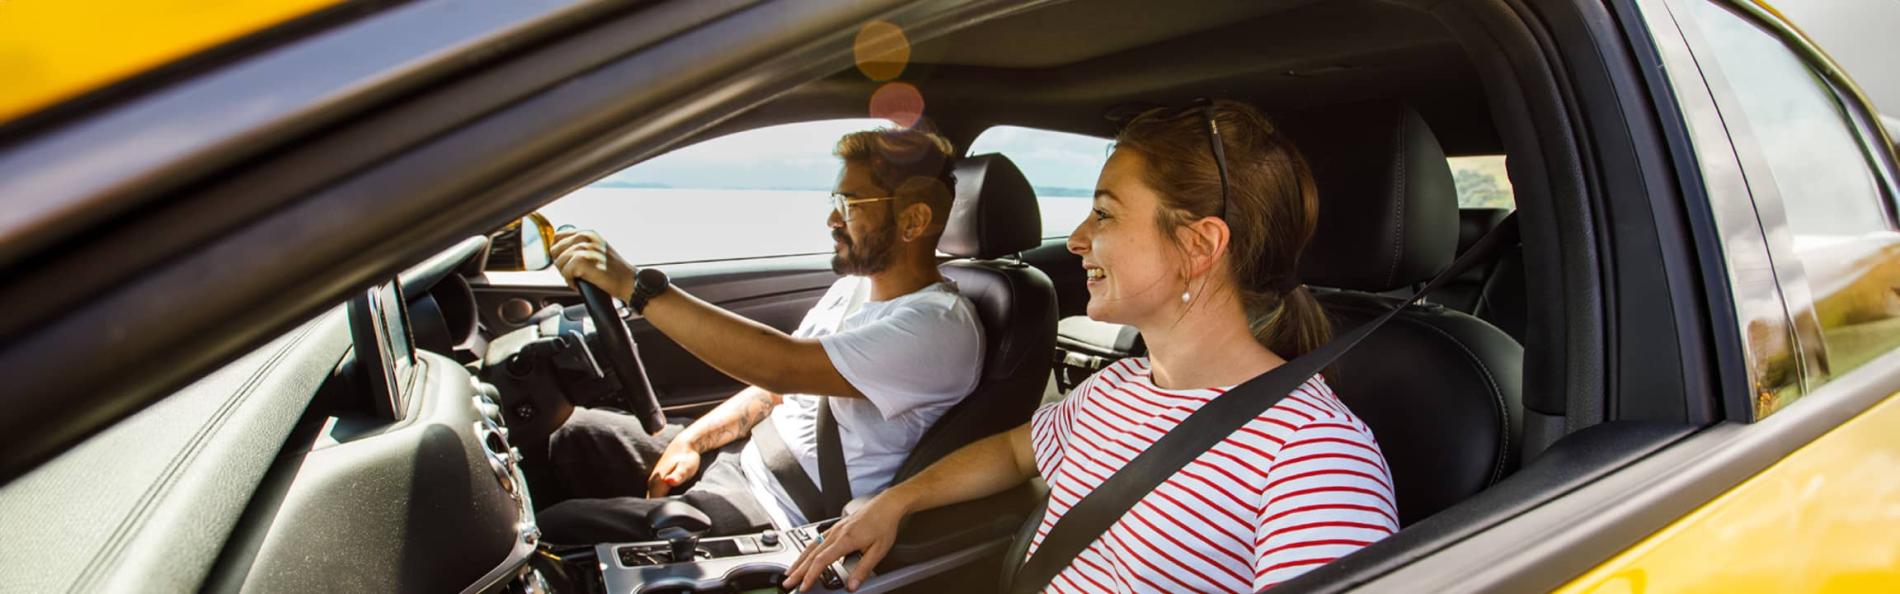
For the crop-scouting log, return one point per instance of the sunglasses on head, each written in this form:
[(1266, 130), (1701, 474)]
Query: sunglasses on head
[(1203, 108)]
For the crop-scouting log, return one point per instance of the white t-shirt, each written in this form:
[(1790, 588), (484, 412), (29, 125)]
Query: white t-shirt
[(913, 357)]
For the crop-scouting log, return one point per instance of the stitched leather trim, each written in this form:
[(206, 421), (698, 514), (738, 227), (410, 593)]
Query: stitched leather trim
[(1399, 195)]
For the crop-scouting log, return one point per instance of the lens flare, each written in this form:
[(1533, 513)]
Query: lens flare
[(881, 50), (899, 102)]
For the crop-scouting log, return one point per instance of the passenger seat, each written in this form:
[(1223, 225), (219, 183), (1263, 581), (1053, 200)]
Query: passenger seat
[(1439, 388)]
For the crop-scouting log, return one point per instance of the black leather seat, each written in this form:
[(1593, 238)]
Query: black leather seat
[(1440, 388), (994, 218)]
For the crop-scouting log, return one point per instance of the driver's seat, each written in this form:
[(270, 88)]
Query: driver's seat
[(995, 216)]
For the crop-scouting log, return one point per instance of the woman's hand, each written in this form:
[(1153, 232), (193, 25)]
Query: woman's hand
[(583, 255), (678, 464), (872, 529)]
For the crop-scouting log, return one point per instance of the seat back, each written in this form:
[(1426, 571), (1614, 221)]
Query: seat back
[(995, 216), (1462, 293), (1439, 388)]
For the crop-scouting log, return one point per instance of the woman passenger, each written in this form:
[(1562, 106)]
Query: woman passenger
[(1208, 274)]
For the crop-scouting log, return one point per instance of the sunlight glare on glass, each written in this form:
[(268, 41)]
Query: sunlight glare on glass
[(899, 102), (881, 50)]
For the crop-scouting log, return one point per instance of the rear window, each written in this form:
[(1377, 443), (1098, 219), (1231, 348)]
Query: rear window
[(1482, 182), (1062, 167)]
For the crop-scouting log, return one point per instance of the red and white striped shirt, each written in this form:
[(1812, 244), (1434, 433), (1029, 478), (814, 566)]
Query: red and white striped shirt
[(1301, 485)]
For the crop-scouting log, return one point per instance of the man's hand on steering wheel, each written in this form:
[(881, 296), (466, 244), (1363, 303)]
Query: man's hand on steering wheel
[(583, 255)]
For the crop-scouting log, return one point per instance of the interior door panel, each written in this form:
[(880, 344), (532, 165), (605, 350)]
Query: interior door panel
[(774, 291)]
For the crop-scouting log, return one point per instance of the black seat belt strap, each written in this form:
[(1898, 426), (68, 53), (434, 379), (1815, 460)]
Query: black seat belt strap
[(833, 480), (1213, 423), (784, 466)]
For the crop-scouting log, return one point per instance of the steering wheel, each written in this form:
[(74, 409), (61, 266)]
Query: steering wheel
[(622, 356)]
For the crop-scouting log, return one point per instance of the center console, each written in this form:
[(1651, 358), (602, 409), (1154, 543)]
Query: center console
[(743, 563), (942, 541)]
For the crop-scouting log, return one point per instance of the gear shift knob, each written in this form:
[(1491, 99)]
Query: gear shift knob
[(680, 544), (679, 525)]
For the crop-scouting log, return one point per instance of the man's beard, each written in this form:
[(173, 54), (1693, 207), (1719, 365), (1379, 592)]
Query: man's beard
[(869, 257)]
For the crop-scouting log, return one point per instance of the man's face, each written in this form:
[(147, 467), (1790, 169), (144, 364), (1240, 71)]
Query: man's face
[(867, 243)]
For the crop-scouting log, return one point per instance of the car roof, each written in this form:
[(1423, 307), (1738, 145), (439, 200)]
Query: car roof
[(1064, 66)]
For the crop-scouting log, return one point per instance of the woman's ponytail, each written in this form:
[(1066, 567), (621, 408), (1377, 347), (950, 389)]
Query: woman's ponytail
[(1294, 326)]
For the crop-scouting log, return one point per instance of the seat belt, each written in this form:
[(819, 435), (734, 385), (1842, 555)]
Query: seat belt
[(1213, 423), (784, 466), (834, 483), (816, 502)]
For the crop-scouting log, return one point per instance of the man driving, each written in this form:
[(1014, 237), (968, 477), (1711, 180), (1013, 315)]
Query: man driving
[(889, 348)]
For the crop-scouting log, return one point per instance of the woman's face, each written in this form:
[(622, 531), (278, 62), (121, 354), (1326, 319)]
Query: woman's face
[(1131, 267)]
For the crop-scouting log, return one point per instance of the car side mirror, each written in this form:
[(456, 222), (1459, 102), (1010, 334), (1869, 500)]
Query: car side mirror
[(522, 245)]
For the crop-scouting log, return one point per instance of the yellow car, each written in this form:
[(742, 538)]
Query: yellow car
[(278, 317)]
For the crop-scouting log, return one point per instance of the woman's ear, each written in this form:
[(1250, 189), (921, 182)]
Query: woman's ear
[(1203, 242)]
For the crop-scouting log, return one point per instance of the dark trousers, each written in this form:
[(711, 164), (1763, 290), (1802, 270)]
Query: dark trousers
[(601, 459)]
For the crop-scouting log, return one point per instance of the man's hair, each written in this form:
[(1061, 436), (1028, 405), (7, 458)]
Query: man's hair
[(913, 165)]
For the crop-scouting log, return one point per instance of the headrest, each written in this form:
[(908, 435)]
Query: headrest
[(995, 213), (1388, 211)]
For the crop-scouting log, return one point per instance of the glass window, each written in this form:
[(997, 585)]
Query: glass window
[(756, 193), (1835, 215), (1062, 167), (1482, 182)]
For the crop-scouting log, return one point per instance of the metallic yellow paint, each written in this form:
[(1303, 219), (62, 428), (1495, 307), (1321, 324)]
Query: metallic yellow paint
[(1824, 519), (52, 50)]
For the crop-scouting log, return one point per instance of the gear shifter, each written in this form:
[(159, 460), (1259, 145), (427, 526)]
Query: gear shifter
[(680, 525)]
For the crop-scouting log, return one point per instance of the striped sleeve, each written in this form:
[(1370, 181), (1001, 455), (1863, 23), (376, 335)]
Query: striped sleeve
[(1327, 494), (1050, 427)]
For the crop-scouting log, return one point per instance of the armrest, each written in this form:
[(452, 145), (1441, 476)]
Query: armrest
[(934, 533)]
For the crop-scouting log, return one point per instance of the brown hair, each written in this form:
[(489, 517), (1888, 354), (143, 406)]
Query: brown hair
[(913, 165), (1274, 206)]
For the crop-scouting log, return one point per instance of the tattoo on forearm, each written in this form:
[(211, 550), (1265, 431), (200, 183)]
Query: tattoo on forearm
[(752, 411)]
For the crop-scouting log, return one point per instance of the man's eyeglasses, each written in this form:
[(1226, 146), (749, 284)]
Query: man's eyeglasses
[(843, 203), (1205, 109)]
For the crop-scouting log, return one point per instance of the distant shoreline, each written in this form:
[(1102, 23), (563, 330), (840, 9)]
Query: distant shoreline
[(1041, 191)]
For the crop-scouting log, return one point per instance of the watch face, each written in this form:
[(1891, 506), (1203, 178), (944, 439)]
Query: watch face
[(649, 282)]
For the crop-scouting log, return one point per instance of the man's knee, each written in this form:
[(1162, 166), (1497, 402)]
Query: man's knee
[(588, 521)]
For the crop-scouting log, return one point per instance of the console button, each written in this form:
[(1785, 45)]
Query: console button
[(769, 538)]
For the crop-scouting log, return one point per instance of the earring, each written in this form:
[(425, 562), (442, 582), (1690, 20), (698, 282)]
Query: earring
[(1184, 296)]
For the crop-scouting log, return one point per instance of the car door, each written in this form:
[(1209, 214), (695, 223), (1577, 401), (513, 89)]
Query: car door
[(1807, 159)]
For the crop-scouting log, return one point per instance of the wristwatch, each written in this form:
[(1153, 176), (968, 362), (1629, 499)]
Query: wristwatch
[(647, 284)]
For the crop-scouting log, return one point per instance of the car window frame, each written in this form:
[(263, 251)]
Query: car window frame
[(1756, 174)]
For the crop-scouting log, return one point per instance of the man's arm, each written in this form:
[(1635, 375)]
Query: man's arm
[(730, 421), (754, 353), (751, 352)]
